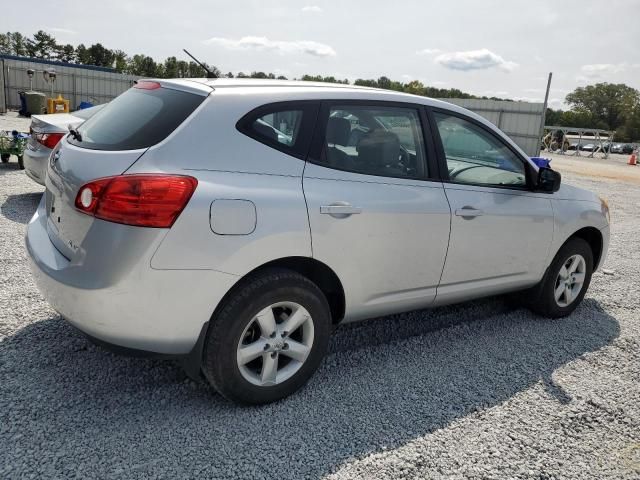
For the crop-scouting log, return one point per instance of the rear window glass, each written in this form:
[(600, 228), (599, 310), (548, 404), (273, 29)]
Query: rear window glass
[(138, 118)]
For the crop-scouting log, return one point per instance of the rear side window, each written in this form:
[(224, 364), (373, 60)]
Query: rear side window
[(286, 126), (139, 118)]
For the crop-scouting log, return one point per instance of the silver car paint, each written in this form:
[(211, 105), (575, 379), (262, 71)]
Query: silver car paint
[(36, 154), (155, 288)]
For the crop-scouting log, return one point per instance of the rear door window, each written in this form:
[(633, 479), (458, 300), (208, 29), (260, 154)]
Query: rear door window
[(139, 118), (374, 140)]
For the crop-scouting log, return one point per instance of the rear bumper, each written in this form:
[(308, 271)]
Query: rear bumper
[(125, 302), (35, 164)]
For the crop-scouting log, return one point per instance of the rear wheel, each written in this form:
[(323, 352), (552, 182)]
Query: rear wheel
[(5, 157), (268, 338), (566, 281)]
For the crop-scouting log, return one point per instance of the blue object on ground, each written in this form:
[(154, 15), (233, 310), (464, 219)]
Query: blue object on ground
[(541, 162), (84, 105)]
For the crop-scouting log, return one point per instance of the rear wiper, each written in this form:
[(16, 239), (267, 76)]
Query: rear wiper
[(75, 134)]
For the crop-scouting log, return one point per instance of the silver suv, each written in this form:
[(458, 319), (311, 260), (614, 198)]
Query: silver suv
[(235, 223)]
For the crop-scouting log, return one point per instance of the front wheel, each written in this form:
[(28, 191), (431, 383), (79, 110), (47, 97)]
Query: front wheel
[(21, 162), (268, 338), (566, 281)]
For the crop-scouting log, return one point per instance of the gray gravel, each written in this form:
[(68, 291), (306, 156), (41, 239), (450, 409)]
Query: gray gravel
[(481, 390)]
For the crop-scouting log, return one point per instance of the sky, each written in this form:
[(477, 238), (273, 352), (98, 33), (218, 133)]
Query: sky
[(493, 48)]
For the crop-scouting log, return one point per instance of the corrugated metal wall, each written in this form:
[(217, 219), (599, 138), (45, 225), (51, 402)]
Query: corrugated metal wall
[(519, 120), (76, 83)]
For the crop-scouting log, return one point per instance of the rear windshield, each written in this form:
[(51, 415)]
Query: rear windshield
[(138, 118)]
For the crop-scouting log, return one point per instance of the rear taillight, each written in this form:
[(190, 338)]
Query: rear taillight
[(49, 140), (139, 200)]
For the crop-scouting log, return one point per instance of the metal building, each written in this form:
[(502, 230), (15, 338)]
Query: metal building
[(522, 121), (77, 83)]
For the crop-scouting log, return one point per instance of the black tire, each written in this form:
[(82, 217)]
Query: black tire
[(21, 162), (541, 299), (5, 157), (219, 364)]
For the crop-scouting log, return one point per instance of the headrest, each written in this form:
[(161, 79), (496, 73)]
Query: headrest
[(379, 147), (338, 131)]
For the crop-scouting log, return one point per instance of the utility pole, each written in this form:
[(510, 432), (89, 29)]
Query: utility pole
[(544, 112)]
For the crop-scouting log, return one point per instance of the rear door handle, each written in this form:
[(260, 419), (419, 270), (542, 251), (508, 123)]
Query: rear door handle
[(469, 212), (339, 211)]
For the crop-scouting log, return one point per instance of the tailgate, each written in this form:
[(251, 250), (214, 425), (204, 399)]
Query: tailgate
[(69, 168)]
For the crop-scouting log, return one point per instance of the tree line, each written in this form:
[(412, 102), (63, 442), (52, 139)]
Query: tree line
[(603, 105), (607, 106), (43, 45)]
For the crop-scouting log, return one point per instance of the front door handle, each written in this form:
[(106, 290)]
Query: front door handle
[(468, 212), (339, 210)]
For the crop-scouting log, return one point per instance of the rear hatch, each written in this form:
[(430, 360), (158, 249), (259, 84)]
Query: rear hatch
[(107, 144)]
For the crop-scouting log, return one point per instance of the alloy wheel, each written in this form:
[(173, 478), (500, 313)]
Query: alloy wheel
[(570, 280), (275, 344)]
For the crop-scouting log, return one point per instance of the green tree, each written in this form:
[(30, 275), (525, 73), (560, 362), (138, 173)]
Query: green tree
[(608, 103), (18, 44), (5, 43), (142, 65), (42, 45), (120, 60), (66, 53), (82, 54), (171, 67), (100, 56)]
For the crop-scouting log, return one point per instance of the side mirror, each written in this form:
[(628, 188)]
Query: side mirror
[(548, 180)]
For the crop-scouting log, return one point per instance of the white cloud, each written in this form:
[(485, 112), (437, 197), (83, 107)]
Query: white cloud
[(61, 30), (312, 9), (428, 51), (263, 43), (597, 70), (474, 60)]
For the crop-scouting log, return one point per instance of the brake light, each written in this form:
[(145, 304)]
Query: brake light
[(49, 140), (147, 85), (145, 200)]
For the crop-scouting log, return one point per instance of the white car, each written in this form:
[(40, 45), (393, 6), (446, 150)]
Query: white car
[(46, 131), (181, 221)]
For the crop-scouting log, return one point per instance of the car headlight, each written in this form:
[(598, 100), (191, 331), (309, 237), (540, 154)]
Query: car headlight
[(604, 206)]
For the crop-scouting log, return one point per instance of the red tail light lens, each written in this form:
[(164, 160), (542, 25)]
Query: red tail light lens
[(139, 200), (49, 140)]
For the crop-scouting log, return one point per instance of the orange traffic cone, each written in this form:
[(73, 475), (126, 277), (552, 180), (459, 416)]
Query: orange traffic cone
[(632, 159)]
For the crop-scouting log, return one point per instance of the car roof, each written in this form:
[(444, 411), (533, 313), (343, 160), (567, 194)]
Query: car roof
[(267, 83)]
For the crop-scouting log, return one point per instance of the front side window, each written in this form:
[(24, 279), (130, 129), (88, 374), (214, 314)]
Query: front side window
[(374, 140), (475, 156)]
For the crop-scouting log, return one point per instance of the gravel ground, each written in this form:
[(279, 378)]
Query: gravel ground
[(480, 390)]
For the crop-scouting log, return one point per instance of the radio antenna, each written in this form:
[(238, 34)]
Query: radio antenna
[(210, 74)]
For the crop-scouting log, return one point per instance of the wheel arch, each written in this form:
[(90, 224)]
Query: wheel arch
[(316, 271), (593, 237)]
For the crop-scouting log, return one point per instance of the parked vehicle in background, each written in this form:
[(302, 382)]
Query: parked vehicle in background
[(589, 147), (176, 222), (623, 148), (46, 131)]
